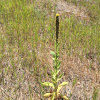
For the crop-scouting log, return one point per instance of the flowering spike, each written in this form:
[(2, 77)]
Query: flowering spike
[(57, 27)]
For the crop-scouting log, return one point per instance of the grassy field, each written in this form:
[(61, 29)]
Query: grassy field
[(27, 34)]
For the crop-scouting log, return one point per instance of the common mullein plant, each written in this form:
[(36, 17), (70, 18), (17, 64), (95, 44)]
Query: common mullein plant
[(56, 77)]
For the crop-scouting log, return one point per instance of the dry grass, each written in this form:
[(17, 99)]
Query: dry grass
[(23, 66)]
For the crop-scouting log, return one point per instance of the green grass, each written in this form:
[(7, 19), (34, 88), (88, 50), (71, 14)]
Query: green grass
[(95, 94), (28, 28)]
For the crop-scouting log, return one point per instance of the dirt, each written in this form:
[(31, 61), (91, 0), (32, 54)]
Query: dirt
[(87, 80), (69, 9)]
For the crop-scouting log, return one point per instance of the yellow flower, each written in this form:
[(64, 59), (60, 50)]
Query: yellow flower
[(57, 14)]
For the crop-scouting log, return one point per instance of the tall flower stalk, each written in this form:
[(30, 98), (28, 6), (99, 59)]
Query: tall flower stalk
[(55, 76)]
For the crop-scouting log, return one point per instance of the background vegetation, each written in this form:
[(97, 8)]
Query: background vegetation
[(27, 34)]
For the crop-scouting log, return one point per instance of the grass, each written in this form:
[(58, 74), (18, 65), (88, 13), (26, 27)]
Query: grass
[(27, 33), (95, 94)]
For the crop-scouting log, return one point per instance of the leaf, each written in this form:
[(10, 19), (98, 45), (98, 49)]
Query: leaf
[(59, 78), (74, 82), (53, 54), (58, 70), (48, 84), (54, 66), (53, 96), (53, 80), (61, 75), (47, 95), (54, 59), (63, 84), (59, 63), (54, 74), (59, 88), (64, 97), (49, 99)]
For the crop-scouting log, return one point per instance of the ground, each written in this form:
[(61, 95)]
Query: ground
[(23, 83)]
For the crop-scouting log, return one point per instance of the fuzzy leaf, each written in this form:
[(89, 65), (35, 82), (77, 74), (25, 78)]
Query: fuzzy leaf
[(64, 97), (53, 80), (52, 72), (48, 84), (63, 84), (59, 63), (53, 54), (47, 95), (54, 76), (58, 70), (53, 96), (61, 75), (54, 66), (59, 78), (59, 88), (53, 59)]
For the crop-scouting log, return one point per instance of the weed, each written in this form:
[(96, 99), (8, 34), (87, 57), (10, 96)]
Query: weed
[(55, 94)]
